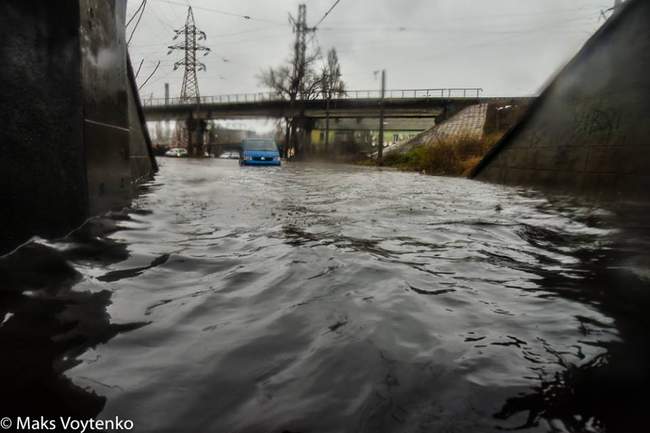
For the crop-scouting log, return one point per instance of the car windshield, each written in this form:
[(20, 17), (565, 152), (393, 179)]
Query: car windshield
[(264, 145)]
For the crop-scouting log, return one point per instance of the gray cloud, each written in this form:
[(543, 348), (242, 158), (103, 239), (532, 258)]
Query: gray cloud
[(507, 47)]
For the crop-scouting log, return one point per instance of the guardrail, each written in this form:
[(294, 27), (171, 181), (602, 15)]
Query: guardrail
[(350, 94)]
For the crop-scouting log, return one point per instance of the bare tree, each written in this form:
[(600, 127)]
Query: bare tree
[(279, 80), (297, 80), (332, 85)]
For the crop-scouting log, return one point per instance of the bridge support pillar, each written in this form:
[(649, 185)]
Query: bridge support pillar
[(188, 134), (195, 133), (308, 128), (199, 138)]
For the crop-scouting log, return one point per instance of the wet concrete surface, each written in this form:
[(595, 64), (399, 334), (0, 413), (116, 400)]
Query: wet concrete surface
[(333, 299)]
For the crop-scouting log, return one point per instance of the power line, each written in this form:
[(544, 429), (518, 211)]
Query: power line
[(222, 12), (150, 75), (327, 13), (142, 8), (161, 20), (444, 29), (139, 67), (167, 75), (137, 11), (466, 18), (242, 44)]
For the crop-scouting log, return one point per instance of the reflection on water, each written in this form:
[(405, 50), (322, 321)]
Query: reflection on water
[(333, 299), (46, 324)]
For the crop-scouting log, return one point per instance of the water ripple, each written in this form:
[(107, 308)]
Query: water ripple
[(337, 299)]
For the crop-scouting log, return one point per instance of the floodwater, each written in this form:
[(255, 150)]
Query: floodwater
[(312, 299)]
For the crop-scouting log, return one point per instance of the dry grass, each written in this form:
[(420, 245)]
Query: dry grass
[(453, 157)]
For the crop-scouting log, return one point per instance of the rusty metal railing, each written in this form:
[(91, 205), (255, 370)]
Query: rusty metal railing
[(238, 98)]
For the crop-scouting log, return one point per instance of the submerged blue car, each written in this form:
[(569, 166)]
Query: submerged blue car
[(259, 151)]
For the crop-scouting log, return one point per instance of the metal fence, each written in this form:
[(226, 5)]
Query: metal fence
[(350, 94)]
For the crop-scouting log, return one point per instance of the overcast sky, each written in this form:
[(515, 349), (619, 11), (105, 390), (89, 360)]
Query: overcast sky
[(506, 47)]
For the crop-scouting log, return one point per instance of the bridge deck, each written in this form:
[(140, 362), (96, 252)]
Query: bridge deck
[(418, 105)]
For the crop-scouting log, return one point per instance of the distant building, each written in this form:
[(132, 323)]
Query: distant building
[(361, 135), (221, 139), (217, 138)]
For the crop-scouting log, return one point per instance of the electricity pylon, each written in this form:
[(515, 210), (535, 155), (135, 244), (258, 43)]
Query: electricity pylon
[(301, 29), (190, 46), (190, 89), (297, 87)]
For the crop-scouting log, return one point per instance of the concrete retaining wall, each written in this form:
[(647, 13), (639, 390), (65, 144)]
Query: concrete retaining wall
[(106, 103), (142, 159), (589, 132), (65, 140), (42, 161)]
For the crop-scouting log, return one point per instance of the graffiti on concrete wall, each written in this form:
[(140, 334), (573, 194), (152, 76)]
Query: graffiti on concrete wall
[(595, 120)]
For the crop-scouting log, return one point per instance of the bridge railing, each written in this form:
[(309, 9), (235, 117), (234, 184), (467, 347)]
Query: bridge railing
[(470, 92)]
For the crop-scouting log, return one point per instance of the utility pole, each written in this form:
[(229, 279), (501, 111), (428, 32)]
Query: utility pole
[(301, 30), (380, 144), (190, 89), (328, 97), (166, 93)]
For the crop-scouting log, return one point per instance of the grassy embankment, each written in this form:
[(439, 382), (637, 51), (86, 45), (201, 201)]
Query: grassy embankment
[(446, 157)]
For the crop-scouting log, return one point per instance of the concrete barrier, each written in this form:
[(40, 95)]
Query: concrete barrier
[(588, 133), (72, 142)]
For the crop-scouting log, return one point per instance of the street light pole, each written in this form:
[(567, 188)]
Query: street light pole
[(380, 144), (328, 96)]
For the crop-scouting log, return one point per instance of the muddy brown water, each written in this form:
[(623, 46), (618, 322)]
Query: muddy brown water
[(315, 298)]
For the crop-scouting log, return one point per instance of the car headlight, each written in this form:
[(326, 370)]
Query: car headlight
[(248, 158)]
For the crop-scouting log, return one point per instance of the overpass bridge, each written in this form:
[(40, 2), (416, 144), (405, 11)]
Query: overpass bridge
[(400, 103)]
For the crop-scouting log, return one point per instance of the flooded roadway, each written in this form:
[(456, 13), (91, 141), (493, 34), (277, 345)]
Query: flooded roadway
[(332, 299)]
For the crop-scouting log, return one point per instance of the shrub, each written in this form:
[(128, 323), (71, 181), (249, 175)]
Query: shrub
[(450, 157)]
